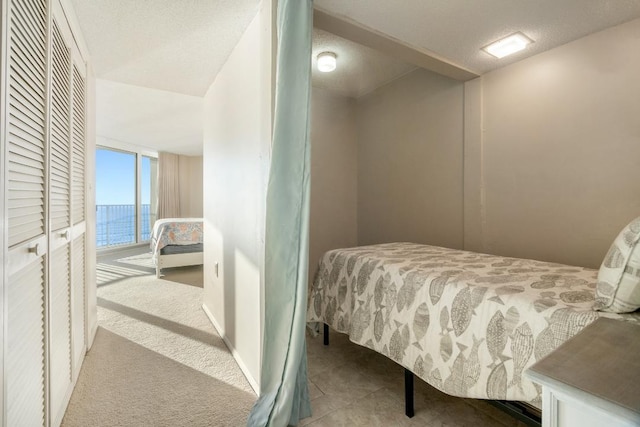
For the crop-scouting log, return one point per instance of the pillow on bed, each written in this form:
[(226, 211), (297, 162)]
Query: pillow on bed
[(618, 289)]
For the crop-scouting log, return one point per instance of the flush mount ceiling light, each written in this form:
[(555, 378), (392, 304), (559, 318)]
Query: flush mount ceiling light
[(326, 62), (508, 45)]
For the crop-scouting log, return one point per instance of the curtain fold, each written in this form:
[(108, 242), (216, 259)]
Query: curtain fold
[(284, 396), (168, 185)]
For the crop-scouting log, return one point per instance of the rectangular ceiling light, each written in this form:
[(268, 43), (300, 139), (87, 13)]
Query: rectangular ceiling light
[(508, 45)]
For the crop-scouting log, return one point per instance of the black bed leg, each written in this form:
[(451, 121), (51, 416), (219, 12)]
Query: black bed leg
[(326, 334), (408, 393)]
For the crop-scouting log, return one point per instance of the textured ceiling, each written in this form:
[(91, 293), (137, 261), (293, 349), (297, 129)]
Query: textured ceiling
[(457, 29), (180, 46), (177, 46), (359, 69), (157, 119)]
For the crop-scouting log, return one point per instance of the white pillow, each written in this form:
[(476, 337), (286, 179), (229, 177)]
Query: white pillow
[(618, 289)]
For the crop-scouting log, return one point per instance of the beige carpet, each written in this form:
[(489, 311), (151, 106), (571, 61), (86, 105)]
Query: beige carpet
[(156, 360)]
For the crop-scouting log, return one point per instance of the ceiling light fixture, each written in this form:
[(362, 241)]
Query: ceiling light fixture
[(326, 62), (508, 45)]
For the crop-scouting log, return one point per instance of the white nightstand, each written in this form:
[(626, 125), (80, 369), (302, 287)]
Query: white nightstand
[(593, 379)]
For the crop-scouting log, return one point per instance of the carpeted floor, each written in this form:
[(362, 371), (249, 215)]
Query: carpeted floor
[(156, 359)]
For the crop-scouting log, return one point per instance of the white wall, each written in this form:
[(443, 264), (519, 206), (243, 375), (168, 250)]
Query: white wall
[(237, 136), (410, 169), (166, 121), (191, 186), (334, 175), (103, 141), (555, 150)]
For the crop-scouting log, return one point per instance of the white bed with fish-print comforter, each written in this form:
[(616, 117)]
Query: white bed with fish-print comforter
[(469, 324)]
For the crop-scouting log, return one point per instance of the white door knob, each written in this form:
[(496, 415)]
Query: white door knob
[(36, 249)]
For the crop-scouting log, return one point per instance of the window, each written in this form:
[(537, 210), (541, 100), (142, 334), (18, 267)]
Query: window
[(126, 194), (148, 196)]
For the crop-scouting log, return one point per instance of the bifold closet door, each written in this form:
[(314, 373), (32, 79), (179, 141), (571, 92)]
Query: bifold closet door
[(25, 194), (60, 237), (43, 165)]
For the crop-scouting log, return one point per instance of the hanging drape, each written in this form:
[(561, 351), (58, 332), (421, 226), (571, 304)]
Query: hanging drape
[(168, 185), (284, 397)]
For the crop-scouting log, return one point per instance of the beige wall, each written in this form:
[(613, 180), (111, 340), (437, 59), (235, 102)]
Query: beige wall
[(410, 168), (237, 135), (536, 160), (556, 150), (334, 169), (191, 186)]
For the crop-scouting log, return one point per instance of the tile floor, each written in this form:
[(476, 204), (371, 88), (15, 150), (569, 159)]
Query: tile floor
[(351, 385)]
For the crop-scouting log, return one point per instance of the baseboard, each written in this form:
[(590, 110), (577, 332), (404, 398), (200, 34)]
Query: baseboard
[(92, 335), (236, 355), (57, 422), (78, 365), (113, 249)]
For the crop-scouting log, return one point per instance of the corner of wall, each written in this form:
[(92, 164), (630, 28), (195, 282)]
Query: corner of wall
[(473, 178), (253, 382), (234, 197)]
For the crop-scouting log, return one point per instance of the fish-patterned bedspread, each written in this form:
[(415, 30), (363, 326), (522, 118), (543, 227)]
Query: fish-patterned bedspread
[(467, 323), (175, 231)]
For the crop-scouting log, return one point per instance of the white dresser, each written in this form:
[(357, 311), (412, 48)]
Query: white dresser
[(592, 379)]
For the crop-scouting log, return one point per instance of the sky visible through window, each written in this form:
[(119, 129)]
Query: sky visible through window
[(116, 178), (116, 210)]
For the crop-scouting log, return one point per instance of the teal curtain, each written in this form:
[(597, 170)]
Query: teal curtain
[(284, 396)]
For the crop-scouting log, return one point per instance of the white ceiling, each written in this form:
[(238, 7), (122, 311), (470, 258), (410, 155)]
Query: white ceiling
[(457, 29), (152, 118), (360, 69), (178, 47)]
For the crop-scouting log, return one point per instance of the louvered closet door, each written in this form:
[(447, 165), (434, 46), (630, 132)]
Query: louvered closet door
[(78, 144), (78, 164), (60, 192), (60, 365), (24, 368), (78, 305), (26, 89), (60, 330)]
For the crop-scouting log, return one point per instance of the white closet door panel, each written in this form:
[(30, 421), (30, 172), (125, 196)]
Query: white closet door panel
[(24, 84), (33, 10), (24, 366), (25, 203), (26, 165), (60, 136), (78, 146), (27, 55), (78, 298), (44, 190), (29, 66), (59, 328)]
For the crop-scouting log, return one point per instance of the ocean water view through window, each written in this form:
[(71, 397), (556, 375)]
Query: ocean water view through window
[(125, 210)]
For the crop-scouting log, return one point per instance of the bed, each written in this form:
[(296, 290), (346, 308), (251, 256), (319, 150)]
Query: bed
[(467, 323), (176, 242)]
